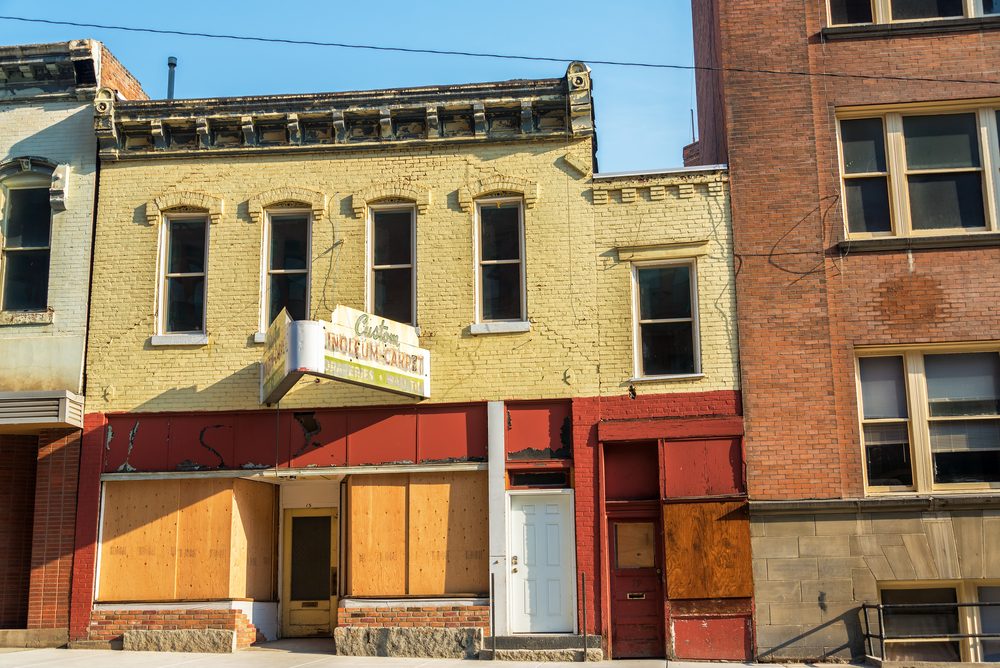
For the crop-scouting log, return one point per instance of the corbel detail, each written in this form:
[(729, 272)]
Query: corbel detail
[(167, 201), (498, 184), (315, 201), (59, 188), (249, 135), (415, 192), (294, 129), (104, 119)]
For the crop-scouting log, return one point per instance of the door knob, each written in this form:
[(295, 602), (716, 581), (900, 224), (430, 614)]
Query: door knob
[(513, 561), (513, 570)]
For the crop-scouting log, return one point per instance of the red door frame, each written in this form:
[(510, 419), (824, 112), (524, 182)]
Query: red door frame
[(638, 510)]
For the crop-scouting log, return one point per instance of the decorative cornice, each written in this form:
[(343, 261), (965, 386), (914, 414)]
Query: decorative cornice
[(503, 111), (315, 201), (497, 184), (417, 193), (174, 200), (45, 70), (657, 188)]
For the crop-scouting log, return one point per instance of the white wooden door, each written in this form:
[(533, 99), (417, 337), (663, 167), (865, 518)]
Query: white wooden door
[(542, 572)]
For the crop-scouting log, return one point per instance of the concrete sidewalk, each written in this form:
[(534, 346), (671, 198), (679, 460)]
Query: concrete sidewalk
[(294, 654)]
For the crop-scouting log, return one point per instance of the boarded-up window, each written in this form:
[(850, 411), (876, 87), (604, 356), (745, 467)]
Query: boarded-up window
[(167, 540), (707, 548), (420, 534)]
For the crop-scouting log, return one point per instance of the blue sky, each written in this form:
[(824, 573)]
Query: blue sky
[(643, 115)]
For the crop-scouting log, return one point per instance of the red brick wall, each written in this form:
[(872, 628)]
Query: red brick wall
[(110, 625), (88, 505), (18, 455), (711, 146), (114, 75), (802, 307), (54, 528), (455, 616), (587, 413)]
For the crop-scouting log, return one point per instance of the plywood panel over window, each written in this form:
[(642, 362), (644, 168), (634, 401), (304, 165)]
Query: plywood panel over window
[(707, 549), (177, 540), (418, 534)]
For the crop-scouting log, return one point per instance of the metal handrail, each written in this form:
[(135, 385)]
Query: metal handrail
[(883, 637)]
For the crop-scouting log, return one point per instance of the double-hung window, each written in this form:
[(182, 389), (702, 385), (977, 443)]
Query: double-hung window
[(855, 12), (666, 319), (931, 420), (500, 269), (287, 272), (911, 173), (393, 291), (27, 224), (182, 304)]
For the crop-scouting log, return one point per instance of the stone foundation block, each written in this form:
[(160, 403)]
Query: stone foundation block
[(34, 638), (433, 643), (188, 640)]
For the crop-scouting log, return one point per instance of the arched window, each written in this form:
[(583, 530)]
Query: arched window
[(26, 231)]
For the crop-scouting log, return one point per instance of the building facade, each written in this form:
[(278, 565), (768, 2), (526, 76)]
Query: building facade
[(48, 173), (563, 420), (862, 143)]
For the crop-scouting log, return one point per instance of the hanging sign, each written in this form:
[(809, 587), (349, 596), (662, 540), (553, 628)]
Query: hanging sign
[(354, 347)]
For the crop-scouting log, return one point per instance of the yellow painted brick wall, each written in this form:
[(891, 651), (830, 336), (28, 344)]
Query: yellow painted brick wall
[(575, 333)]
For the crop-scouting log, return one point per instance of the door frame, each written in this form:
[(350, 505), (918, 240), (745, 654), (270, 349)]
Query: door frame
[(286, 569), (624, 511), (568, 493)]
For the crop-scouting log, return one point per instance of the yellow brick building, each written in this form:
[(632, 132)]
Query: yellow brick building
[(551, 300)]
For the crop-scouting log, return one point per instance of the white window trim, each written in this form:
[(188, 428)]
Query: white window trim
[(918, 421), (517, 324), (882, 14), (29, 181), (265, 267), (370, 255), (637, 371), (895, 153), (161, 337), (969, 620)]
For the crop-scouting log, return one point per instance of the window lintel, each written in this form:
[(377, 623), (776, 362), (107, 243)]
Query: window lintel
[(158, 207)]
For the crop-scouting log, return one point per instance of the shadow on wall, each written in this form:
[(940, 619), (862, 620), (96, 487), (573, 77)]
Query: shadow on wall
[(840, 637)]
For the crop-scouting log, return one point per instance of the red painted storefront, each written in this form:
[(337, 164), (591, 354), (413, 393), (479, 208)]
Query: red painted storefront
[(623, 457)]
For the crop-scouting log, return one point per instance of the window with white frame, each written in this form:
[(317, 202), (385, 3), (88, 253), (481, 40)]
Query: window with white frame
[(27, 226), (927, 622), (393, 289), (857, 12), (930, 420), (182, 305), (500, 269), (666, 319), (287, 271), (911, 173)]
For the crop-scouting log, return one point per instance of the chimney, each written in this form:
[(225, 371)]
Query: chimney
[(172, 67)]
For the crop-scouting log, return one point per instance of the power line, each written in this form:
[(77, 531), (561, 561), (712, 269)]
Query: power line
[(500, 56)]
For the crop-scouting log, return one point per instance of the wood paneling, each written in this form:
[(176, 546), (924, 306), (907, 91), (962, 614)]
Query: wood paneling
[(175, 540), (419, 534), (377, 535), (703, 468), (707, 548), (254, 541)]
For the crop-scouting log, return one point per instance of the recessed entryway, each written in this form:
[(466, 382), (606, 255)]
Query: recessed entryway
[(310, 562)]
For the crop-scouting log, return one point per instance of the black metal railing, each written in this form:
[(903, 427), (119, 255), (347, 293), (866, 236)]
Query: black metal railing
[(882, 636)]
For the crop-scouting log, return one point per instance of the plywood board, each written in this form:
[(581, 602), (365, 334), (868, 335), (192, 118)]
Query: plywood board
[(138, 541), (377, 535), (204, 526), (254, 542), (448, 539), (707, 548)]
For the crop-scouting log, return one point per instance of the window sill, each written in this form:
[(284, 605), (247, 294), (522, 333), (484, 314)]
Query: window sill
[(480, 328), (972, 240), (14, 318), (179, 340), (657, 379), (932, 26)]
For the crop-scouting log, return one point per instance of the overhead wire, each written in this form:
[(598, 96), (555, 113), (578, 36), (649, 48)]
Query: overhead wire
[(500, 56)]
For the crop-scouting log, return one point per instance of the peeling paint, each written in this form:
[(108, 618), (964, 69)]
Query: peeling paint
[(201, 439), (109, 433), (126, 467), (250, 466), (543, 453), (188, 465), (453, 460), (310, 429)]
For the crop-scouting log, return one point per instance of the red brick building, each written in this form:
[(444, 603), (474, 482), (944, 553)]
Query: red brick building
[(863, 151)]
